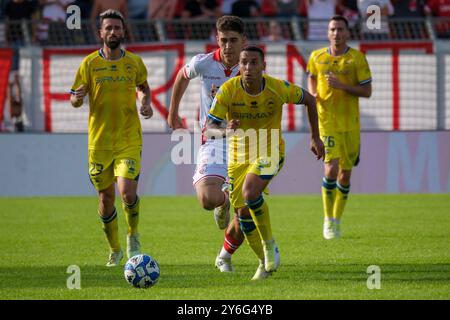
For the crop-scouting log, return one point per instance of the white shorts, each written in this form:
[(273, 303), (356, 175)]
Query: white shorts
[(211, 160)]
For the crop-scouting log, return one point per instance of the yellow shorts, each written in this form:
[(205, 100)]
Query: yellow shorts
[(106, 165), (262, 167), (344, 146)]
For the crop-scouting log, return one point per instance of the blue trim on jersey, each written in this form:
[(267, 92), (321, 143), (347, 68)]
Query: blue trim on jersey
[(100, 52), (72, 91), (216, 119), (366, 81), (303, 97), (329, 51)]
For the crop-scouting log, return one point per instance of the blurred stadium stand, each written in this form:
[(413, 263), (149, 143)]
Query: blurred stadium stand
[(411, 69), (401, 29)]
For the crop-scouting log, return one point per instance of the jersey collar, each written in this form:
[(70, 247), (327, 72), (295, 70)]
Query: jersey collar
[(216, 57), (346, 50), (122, 54)]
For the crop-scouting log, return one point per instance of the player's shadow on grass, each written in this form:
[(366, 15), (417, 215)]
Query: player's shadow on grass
[(203, 276), (57, 276), (413, 272)]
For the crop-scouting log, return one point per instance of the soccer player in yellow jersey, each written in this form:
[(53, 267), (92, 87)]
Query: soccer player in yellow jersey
[(252, 104), (110, 77), (338, 76)]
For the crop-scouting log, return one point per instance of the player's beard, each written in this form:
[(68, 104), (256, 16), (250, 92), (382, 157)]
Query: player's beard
[(113, 43)]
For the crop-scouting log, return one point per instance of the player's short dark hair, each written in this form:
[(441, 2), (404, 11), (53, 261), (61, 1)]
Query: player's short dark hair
[(230, 23), (111, 14), (255, 49), (339, 18)]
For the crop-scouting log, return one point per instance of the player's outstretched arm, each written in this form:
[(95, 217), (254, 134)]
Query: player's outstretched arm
[(145, 97), (179, 88), (316, 143), (76, 98)]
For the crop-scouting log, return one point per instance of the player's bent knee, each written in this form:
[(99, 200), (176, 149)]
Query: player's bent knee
[(250, 194), (344, 176), (206, 201), (129, 197)]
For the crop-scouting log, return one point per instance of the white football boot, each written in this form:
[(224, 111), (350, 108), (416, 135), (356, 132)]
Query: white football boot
[(261, 272), (114, 259), (271, 256), (224, 264), (329, 229)]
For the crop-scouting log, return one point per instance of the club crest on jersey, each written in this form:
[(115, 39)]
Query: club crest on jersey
[(270, 103), (128, 68)]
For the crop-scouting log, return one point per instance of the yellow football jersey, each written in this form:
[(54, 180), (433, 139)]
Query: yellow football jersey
[(113, 118), (338, 110), (261, 112)]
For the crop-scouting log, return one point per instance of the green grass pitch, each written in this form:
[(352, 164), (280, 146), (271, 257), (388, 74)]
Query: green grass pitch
[(407, 236)]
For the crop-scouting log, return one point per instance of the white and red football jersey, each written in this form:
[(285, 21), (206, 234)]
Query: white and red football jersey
[(213, 73)]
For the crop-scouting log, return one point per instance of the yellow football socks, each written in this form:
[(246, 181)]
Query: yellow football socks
[(260, 214), (132, 215), (340, 201), (111, 229), (252, 236), (328, 197)]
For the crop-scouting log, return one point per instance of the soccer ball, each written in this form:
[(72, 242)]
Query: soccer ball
[(141, 271)]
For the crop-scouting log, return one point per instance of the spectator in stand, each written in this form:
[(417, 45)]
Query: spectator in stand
[(414, 10), (137, 9), (288, 8), (382, 33), (408, 8), (246, 9), (16, 11), (201, 9), (349, 10), (15, 102), (162, 9), (198, 10), (249, 9), (85, 8), (269, 8), (226, 5), (51, 11), (103, 5), (275, 32), (100, 6), (319, 10), (440, 9)]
